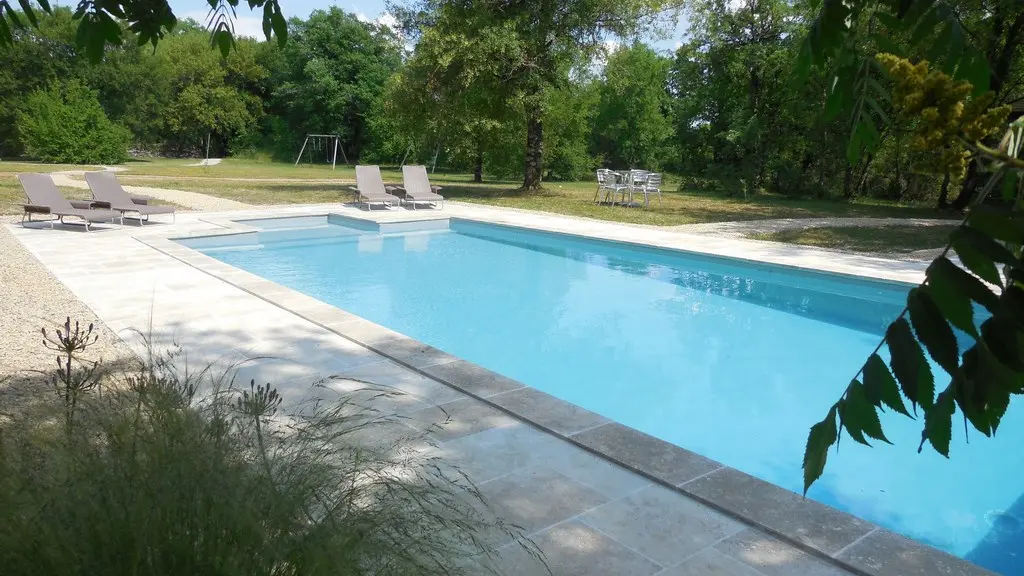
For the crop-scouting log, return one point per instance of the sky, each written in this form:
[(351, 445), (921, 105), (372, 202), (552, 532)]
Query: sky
[(251, 24)]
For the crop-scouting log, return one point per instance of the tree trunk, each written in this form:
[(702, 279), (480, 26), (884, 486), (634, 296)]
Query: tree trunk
[(944, 193), (534, 146), (967, 189), (864, 176), (848, 182), (478, 167)]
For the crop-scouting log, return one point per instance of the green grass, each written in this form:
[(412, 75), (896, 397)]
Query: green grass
[(883, 240), (262, 182), (236, 168), (18, 166)]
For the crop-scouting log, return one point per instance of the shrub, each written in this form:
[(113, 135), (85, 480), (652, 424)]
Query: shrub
[(66, 124), (157, 479)]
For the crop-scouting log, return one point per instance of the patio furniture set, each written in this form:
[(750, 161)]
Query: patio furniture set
[(109, 202), (624, 184)]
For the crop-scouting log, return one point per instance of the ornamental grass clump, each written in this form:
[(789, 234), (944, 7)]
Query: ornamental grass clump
[(170, 472)]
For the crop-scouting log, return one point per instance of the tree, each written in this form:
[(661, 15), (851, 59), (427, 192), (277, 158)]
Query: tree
[(632, 123), (518, 50), (201, 103), (999, 25), (66, 124), (570, 114), (434, 102), (42, 56), (739, 117), (333, 73)]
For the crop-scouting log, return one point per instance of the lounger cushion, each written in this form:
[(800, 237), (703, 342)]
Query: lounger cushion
[(106, 188)]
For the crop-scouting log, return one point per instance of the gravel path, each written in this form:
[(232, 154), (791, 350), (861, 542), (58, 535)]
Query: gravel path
[(193, 200), (33, 299), (746, 228)]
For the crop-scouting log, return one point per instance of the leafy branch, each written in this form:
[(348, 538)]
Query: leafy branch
[(966, 319), (976, 300), (149, 20)]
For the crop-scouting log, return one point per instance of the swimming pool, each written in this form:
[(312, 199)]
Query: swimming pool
[(730, 360)]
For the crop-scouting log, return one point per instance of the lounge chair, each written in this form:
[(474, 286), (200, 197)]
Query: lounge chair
[(106, 189), (418, 189), (44, 198), (370, 188)]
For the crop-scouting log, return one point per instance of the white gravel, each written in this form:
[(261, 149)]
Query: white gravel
[(30, 299)]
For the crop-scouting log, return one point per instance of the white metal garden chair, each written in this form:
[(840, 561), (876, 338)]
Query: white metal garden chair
[(651, 187), (608, 182), (636, 180)]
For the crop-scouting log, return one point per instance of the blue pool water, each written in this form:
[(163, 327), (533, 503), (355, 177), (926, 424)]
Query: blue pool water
[(733, 361)]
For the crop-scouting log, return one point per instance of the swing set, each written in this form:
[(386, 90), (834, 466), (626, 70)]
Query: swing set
[(328, 144)]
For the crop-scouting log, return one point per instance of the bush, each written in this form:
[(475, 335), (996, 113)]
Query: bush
[(66, 124), (154, 478)]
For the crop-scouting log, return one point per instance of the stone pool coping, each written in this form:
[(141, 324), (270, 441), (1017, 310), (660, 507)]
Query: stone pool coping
[(840, 538)]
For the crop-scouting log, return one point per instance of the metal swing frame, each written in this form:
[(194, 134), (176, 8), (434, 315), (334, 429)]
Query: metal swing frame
[(336, 138)]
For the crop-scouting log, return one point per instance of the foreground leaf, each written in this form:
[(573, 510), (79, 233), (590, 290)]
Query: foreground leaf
[(999, 224), (823, 435), (945, 276), (859, 416), (933, 330), (909, 364), (1003, 338), (948, 295), (881, 387), (975, 260), (938, 424)]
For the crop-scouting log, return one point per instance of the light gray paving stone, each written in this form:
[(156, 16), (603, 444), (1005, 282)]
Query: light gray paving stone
[(538, 497), (460, 418), (606, 477), (773, 557), (885, 552), (366, 332), (492, 453), (575, 549), (389, 374), (645, 453), (547, 411), (710, 562), (802, 519), (661, 524), (412, 352), (471, 378), (386, 401)]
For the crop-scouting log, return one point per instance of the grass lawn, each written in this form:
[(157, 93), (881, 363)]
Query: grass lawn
[(262, 182), (265, 183), (10, 168), (884, 240)]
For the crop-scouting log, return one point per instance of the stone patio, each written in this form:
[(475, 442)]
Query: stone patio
[(597, 497)]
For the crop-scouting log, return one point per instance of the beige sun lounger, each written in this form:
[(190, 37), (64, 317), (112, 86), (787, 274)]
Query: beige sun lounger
[(418, 189), (45, 199), (370, 188), (105, 188)]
